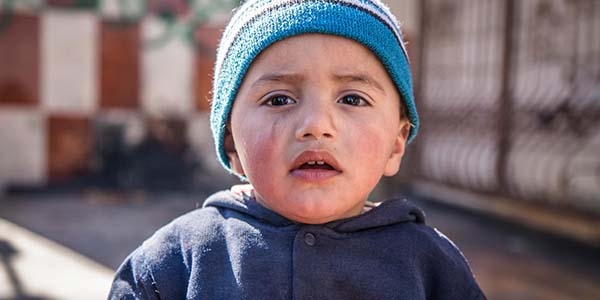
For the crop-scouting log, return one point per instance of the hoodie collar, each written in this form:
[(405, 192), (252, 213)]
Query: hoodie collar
[(389, 212), (246, 205)]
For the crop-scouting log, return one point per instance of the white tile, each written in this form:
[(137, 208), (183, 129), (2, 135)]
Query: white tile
[(167, 73), (69, 61), (22, 150)]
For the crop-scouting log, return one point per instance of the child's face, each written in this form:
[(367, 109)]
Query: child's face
[(315, 125)]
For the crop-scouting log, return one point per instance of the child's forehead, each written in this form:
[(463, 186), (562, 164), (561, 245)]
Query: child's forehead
[(328, 44), (349, 61)]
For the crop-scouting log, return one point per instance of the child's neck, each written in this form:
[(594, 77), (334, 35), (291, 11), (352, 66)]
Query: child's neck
[(247, 191)]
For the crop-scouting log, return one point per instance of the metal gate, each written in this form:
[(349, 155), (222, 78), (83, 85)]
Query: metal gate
[(509, 93)]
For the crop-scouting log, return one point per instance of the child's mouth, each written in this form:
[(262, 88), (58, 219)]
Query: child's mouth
[(316, 165)]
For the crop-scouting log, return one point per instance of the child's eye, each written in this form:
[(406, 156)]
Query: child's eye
[(354, 100), (279, 100)]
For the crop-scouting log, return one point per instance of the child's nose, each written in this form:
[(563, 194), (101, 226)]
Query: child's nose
[(316, 122)]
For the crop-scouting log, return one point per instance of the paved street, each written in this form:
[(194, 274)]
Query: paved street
[(513, 263), (33, 267), (509, 261)]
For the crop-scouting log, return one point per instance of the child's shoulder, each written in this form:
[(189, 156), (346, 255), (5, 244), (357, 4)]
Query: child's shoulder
[(430, 253), (199, 225), (402, 225), (164, 260), (220, 215), (428, 240)]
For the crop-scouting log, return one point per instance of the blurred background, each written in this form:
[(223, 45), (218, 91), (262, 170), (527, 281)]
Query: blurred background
[(104, 136)]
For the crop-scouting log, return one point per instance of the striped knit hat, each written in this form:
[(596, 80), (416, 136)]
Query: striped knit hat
[(257, 24)]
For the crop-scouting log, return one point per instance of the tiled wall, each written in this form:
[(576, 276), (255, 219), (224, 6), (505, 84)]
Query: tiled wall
[(65, 71)]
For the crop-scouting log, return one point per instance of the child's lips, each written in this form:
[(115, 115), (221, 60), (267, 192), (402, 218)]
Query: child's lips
[(315, 165)]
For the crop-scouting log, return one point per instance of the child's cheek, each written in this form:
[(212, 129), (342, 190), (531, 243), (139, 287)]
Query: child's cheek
[(260, 154), (372, 147)]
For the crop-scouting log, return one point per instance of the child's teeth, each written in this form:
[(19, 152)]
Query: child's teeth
[(312, 162), (320, 162)]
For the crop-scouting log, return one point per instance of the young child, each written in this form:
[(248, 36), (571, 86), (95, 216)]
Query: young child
[(313, 104)]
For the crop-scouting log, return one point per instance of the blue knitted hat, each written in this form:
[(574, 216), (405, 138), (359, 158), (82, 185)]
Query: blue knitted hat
[(257, 24)]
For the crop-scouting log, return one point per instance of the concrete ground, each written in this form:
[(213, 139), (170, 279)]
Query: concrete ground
[(515, 263), (66, 246), (33, 267)]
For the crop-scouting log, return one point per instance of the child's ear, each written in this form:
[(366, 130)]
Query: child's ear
[(393, 163), (234, 159)]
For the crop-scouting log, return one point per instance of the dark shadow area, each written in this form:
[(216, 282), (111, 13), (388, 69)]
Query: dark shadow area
[(162, 160)]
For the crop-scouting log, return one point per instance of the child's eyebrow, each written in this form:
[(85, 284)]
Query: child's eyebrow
[(360, 78), (277, 77), (295, 78)]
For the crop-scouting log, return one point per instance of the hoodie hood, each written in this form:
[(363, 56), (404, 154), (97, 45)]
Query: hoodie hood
[(389, 212)]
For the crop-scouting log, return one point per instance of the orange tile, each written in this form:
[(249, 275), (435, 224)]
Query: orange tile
[(119, 65), (19, 61), (206, 39), (204, 71), (70, 145)]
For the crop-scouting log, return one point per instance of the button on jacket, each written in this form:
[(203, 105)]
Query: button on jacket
[(234, 248)]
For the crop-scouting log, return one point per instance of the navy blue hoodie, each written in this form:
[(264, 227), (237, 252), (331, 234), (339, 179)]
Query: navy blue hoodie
[(234, 248)]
